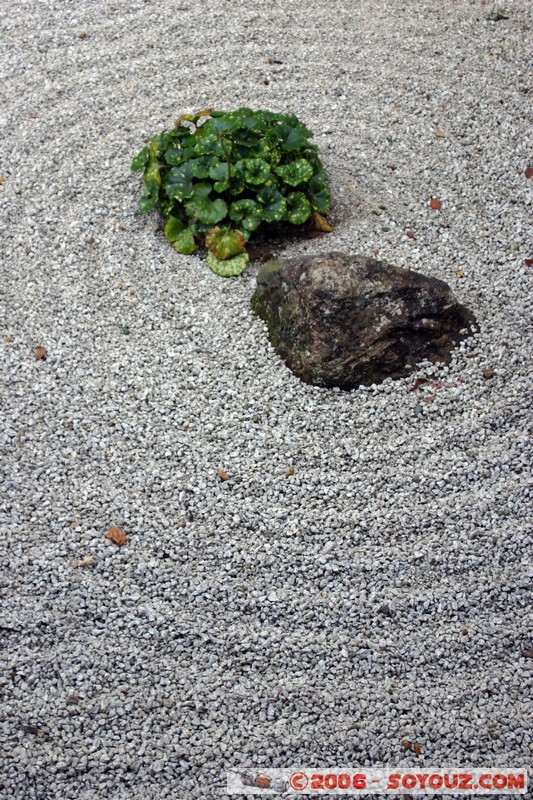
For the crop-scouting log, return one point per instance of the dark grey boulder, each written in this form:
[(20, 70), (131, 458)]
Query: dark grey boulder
[(340, 320)]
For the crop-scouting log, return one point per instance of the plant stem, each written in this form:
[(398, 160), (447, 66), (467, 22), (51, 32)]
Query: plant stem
[(228, 161)]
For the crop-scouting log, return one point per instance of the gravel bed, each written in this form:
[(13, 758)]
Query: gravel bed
[(381, 592)]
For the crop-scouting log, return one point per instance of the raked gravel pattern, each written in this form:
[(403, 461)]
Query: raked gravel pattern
[(381, 592)]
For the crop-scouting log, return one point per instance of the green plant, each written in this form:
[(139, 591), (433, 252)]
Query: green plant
[(495, 14), (217, 176)]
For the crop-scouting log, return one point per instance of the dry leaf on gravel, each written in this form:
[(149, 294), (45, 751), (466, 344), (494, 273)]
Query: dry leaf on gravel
[(115, 535), (320, 223), (435, 203), (40, 354), (222, 475), (418, 382), (33, 730)]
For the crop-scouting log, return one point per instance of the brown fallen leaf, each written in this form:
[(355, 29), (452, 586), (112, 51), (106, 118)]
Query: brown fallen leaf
[(2, 180), (410, 234), (222, 475), (320, 223), (40, 354), (406, 744), (289, 472), (528, 262), (529, 172), (488, 373), (418, 382), (33, 730), (417, 749), (435, 203), (115, 535), (527, 653), (439, 134), (312, 233)]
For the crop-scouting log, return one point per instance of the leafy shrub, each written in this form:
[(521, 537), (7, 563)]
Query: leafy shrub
[(217, 176)]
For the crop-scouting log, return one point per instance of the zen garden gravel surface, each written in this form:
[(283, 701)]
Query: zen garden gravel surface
[(380, 593)]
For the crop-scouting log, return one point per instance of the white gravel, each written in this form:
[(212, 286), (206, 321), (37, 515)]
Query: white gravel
[(381, 592)]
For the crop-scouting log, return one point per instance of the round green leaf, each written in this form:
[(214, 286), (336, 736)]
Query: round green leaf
[(290, 136), (225, 243), (173, 228), (198, 228), (263, 149), (220, 173), (178, 184), (256, 170), (184, 242), (247, 213), (229, 268), (237, 184), (273, 204), (318, 191), (140, 160), (174, 156), (298, 208), (149, 200), (321, 200), (202, 165), (152, 171), (200, 206), (211, 144), (296, 172), (223, 123)]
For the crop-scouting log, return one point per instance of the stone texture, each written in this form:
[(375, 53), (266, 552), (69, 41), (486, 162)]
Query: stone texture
[(341, 320)]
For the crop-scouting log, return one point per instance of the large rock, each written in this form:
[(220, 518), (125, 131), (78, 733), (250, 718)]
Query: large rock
[(340, 320)]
